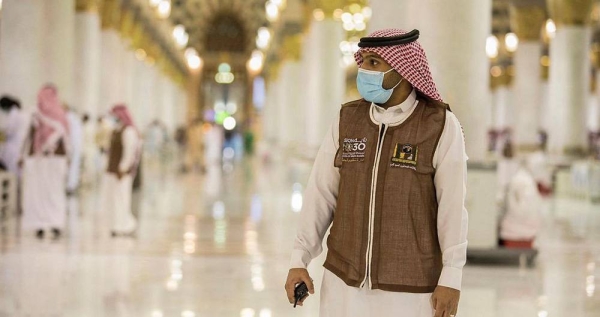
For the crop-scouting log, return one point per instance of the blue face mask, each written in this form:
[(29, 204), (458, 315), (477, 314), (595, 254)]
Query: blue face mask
[(370, 86)]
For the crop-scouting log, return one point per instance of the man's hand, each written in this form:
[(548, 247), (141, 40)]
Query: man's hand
[(445, 301), (296, 276)]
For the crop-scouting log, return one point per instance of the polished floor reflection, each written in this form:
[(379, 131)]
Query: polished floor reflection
[(218, 245)]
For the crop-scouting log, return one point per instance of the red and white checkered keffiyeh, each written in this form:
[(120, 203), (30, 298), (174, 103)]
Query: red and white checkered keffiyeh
[(409, 60)]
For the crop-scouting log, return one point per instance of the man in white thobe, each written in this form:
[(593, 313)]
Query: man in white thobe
[(14, 125), (123, 158), (390, 180), (45, 167)]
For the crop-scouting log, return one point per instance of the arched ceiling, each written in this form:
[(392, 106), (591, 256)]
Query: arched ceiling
[(198, 17)]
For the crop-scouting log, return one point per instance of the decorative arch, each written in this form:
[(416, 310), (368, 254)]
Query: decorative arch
[(225, 32)]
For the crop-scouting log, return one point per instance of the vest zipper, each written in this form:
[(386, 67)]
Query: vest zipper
[(375, 172)]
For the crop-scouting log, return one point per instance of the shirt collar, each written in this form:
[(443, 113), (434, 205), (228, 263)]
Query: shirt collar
[(379, 113)]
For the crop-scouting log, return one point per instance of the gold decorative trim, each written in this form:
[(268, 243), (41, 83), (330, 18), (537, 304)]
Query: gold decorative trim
[(110, 14), (328, 6), (292, 47), (570, 12), (90, 6), (527, 21)]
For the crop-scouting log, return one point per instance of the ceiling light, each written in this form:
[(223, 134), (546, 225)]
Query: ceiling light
[(512, 42), (140, 54), (224, 78), (263, 38), (349, 26), (272, 11), (194, 62), (280, 4), (346, 17), (360, 26), (358, 17), (337, 14), (255, 64), (190, 51), (229, 123), (224, 68), (164, 9), (318, 14), (491, 46), (264, 33), (367, 12), (345, 47), (178, 31), (550, 28)]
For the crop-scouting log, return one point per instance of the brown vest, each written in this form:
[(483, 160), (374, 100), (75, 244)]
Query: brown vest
[(60, 147), (403, 248), (115, 153)]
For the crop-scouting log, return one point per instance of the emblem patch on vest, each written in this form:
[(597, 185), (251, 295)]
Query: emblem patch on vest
[(354, 150), (405, 154)]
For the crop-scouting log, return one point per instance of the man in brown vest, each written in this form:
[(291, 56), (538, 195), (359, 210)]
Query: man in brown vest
[(390, 180), (123, 159)]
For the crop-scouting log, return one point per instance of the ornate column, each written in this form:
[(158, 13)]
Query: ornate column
[(594, 111), (502, 103), (325, 76), (527, 19), (271, 112), (58, 49), (181, 103), (155, 103), (20, 51), (167, 110), (111, 52), (127, 67), (569, 75), (390, 14), (454, 34), (87, 57), (291, 125), (142, 96)]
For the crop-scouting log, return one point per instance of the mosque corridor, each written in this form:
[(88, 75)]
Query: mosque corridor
[(218, 244)]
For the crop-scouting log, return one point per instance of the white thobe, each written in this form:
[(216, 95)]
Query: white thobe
[(341, 300), (44, 181), (523, 218), (118, 191), (15, 127)]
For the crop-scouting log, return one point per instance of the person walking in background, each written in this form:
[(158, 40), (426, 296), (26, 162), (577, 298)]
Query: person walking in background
[(45, 166), (195, 147), (123, 158), (90, 151), (182, 145), (103, 133), (523, 218), (14, 126), (76, 129)]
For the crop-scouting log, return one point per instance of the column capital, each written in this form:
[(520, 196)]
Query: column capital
[(292, 47), (127, 22), (503, 79), (527, 19), (87, 5), (570, 12), (110, 13), (328, 6)]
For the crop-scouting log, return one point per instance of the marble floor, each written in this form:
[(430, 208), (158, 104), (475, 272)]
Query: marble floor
[(218, 245)]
